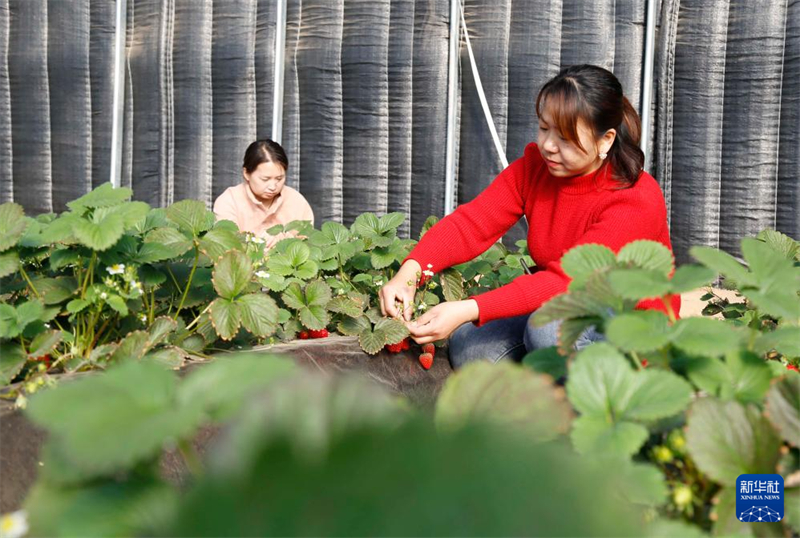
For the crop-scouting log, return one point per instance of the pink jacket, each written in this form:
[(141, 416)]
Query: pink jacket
[(239, 205)]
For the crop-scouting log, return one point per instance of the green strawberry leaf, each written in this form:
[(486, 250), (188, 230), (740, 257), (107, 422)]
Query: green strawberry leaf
[(727, 439), (593, 435), (783, 408), (9, 263), (226, 317), (12, 225), (584, 260), (641, 331), (506, 395), (649, 255), (314, 317), (705, 336), (259, 313), (232, 273), (106, 195), (191, 216), (12, 359)]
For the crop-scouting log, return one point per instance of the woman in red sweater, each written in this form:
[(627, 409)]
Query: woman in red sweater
[(582, 182)]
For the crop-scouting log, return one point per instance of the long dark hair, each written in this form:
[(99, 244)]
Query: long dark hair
[(264, 151), (594, 94)]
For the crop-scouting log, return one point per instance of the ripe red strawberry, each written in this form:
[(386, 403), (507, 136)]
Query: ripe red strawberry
[(792, 367), (322, 333), (406, 345), (429, 348), (303, 335), (426, 360), (644, 363), (394, 348)]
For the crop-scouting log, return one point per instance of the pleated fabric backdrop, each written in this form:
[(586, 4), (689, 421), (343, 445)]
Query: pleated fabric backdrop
[(728, 125), (365, 100)]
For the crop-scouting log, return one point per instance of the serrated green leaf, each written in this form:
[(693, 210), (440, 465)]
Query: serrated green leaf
[(704, 336), (109, 422), (55, 290), (393, 330), (722, 263), (63, 257), (118, 304), (44, 343), (648, 255), (132, 347), (547, 361), (781, 243), (777, 302), (226, 317), (656, 394), (641, 331), (584, 260), (366, 224), (218, 241), (783, 408), (727, 439), (570, 330), (382, 257), (354, 326), (691, 277), (314, 317), (307, 271), (76, 305), (749, 376), (9, 263), (347, 306), (293, 297), (259, 313), (232, 274), (591, 434), (601, 381), (317, 293), (785, 340), (298, 253), (505, 395), (170, 240), (12, 359), (241, 374), (371, 342), (100, 235), (191, 216), (160, 329), (171, 357), (105, 195), (637, 284), (12, 225), (391, 221), (452, 285)]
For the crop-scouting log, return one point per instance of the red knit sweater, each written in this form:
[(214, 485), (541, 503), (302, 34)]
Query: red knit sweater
[(561, 213)]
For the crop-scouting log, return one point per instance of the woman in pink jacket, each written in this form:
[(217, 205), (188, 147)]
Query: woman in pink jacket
[(263, 200)]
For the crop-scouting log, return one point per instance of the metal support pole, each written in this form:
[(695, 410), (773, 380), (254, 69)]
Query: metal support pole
[(647, 79), (452, 97), (280, 54), (118, 110)]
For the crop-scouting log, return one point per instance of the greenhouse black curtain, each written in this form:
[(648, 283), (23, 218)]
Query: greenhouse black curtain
[(365, 100), (728, 133)]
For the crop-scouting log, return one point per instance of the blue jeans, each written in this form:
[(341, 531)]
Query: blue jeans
[(507, 339)]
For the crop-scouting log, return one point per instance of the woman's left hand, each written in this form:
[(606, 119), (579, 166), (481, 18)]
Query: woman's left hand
[(441, 320)]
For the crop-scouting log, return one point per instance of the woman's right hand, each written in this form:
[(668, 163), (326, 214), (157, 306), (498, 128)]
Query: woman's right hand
[(400, 291)]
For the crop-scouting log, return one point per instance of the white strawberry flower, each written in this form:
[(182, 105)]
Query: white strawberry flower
[(258, 240), (262, 274), (104, 296), (427, 273), (136, 286), (422, 306), (116, 269), (379, 282), (14, 524), (20, 403), (143, 318)]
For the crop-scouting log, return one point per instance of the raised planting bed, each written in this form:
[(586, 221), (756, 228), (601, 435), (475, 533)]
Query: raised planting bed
[(398, 372)]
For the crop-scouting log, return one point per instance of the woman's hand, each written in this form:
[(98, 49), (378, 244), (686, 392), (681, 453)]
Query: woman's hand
[(400, 291), (441, 320)]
